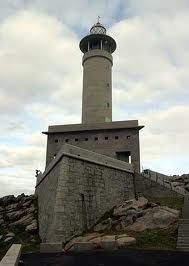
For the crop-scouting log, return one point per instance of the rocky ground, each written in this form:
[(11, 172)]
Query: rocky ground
[(125, 223), (18, 221), (139, 223), (180, 181)]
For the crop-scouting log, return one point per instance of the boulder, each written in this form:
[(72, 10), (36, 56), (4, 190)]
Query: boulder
[(86, 238), (15, 215), (31, 209), (13, 207), (10, 234), (103, 226), (31, 228), (122, 209), (7, 200), (157, 217), (125, 241), (8, 239), (25, 220)]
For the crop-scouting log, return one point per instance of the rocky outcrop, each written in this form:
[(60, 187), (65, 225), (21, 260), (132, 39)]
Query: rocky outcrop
[(126, 218), (18, 211), (180, 181)]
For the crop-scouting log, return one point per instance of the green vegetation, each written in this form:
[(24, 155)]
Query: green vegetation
[(175, 203), (156, 239), (29, 241)]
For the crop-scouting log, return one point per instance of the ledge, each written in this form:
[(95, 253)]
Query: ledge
[(85, 155), (129, 124)]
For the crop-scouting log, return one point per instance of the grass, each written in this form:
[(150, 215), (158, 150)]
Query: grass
[(164, 239), (21, 237), (175, 203)]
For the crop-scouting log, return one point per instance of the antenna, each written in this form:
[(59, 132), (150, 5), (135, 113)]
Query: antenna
[(98, 19)]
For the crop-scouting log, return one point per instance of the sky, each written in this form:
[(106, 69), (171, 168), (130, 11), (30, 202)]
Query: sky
[(41, 78)]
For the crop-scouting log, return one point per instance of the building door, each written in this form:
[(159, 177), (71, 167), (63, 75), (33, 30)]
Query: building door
[(124, 156)]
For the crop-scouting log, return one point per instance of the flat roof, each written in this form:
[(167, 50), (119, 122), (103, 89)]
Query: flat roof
[(129, 124)]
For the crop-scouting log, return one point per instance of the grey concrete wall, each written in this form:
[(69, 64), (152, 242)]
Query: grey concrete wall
[(76, 193), (95, 140), (97, 87), (149, 187)]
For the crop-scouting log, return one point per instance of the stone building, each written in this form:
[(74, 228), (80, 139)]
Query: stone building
[(90, 166)]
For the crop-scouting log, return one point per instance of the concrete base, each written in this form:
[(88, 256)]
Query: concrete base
[(12, 256), (50, 247)]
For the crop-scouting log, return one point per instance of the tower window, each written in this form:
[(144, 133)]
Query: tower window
[(56, 140), (106, 138), (54, 155), (108, 105), (76, 139), (66, 140), (116, 137), (96, 138), (86, 139), (108, 85), (128, 137)]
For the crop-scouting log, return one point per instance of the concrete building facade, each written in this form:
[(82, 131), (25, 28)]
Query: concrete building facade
[(97, 132)]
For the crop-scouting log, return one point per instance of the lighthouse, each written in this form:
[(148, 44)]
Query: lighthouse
[(97, 48)]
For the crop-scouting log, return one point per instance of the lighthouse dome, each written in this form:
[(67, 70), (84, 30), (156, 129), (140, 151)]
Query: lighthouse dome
[(98, 28)]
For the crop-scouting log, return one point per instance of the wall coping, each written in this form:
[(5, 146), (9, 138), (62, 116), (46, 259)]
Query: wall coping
[(12, 256), (129, 124), (85, 155)]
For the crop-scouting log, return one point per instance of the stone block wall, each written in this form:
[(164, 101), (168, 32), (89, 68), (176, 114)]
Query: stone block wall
[(150, 188), (76, 192)]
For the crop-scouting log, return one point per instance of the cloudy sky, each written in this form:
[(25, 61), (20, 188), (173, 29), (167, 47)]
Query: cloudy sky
[(41, 78)]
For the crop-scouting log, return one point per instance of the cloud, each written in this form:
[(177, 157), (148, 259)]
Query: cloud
[(151, 62), (41, 78)]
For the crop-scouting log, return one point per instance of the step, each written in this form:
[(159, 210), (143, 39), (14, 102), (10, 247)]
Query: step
[(183, 245), (183, 241)]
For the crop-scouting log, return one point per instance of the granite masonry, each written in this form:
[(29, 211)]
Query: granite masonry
[(77, 188)]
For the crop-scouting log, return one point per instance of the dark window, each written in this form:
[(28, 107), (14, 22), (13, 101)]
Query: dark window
[(54, 155), (128, 137), (106, 138), (116, 137), (76, 139), (108, 84), (96, 138), (124, 156), (56, 140), (66, 140), (108, 105), (86, 139)]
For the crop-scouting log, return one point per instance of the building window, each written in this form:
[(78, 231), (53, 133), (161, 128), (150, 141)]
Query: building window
[(86, 139), (66, 140), (116, 137), (106, 138), (128, 137), (108, 85), (56, 140), (76, 139), (108, 105), (96, 138)]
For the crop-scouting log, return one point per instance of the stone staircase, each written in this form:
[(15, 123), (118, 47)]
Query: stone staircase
[(183, 230)]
